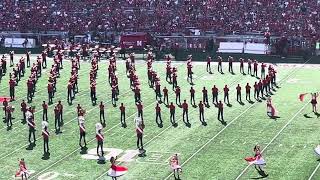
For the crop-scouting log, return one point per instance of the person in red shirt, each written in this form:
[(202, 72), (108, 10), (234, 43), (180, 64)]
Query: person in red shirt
[(101, 107), (205, 96), (140, 110), (23, 110), (220, 64), (174, 80), (5, 104), (100, 139), (220, 111), (158, 90), (192, 92), (122, 115), (226, 94), (201, 112), (114, 96), (260, 87), (137, 94), (214, 94), (44, 111), (249, 67), (189, 69), (12, 84), (9, 110), (238, 88), (248, 89), (45, 135), (185, 112), (230, 59), (178, 91), (165, 96), (60, 107), (93, 93), (255, 68), (168, 73), (172, 113), (209, 59), (50, 92), (158, 114), (29, 90), (69, 87), (139, 131), (241, 66), (256, 90)]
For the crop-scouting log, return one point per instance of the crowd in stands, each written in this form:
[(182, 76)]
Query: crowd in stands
[(280, 17)]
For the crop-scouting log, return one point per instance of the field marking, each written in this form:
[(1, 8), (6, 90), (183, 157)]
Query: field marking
[(271, 141), (48, 167)]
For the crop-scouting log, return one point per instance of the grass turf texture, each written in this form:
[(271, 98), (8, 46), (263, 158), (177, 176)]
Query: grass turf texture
[(214, 151)]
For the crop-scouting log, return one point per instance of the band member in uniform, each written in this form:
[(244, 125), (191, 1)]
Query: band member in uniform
[(185, 112), (50, 92), (137, 94), (9, 110), (174, 79), (230, 59), (241, 66), (209, 59), (255, 68), (158, 114), (248, 89), (256, 91), (60, 108), (192, 92), (99, 138), (28, 58), (140, 110), (5, 104), (23, 110), (220, 64), (226, 94), (12, 84), (178, 91), (69, 87), (263, 70), (238, 88), (220, 111), (23, 171), (165, 96), (45, 135), (101, 107), (172, 113), (201, 112), (31, 125), (122, 114), (205, 96), (82, 131), (93, 92), (175, 166), (44, 111), (249, 67), (214, 94), (11, 58), (57, 122), (139, 131), (314, 101)]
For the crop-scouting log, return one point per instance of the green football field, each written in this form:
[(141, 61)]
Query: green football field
[(214, 151)]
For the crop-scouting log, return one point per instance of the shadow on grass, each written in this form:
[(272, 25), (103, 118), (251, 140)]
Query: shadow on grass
[(307, 116)]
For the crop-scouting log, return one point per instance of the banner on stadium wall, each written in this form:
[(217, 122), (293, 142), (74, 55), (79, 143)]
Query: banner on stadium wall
[(20, 42), (241, 47), (134, 40)]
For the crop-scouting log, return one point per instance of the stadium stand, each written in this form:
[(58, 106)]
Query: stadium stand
[(279, 17)]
